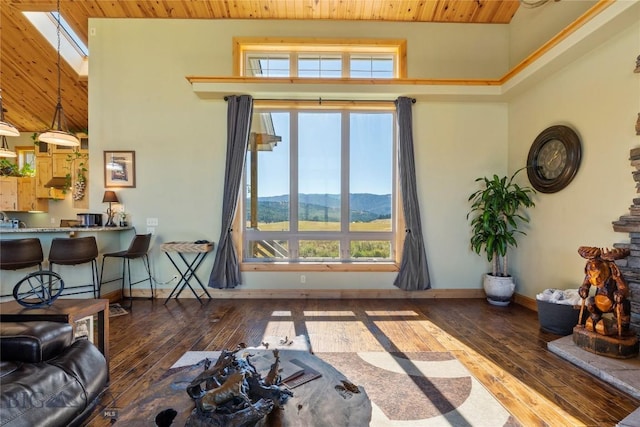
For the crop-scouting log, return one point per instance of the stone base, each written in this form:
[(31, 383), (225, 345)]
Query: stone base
[(623, 374), (611, 346)]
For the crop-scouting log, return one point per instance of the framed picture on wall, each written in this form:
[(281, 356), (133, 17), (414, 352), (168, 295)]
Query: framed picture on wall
[(120, 169)]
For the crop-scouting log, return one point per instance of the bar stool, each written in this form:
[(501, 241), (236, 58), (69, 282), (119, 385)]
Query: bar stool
[(138, 249), (38, 288), (20, 253), (75, 251)]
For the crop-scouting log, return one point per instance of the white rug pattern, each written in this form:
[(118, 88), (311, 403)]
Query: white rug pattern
[(480, 409), (301, 342)]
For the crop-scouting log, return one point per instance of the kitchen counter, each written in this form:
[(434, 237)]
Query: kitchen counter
[(61, 229), (108, 239)]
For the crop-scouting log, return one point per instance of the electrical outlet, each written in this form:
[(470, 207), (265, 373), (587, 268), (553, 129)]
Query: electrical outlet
[(152, 222), (151, 230), (53, 220), (303, 278)]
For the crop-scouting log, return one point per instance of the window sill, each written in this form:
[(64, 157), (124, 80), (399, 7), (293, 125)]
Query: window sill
[(320, 266)]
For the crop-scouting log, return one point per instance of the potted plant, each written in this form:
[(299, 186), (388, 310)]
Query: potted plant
[(79, 186), (8, 168), (497, 210)]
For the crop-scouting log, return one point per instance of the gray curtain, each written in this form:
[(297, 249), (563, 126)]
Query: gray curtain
[(226, 270), (414, 273)]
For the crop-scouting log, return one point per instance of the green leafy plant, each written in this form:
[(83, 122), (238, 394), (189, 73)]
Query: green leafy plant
[(27, 170), (81, 178), (497, 210), (8, 168), (81, 168)]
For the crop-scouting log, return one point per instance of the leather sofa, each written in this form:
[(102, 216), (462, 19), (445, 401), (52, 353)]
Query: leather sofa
[(46, 377)]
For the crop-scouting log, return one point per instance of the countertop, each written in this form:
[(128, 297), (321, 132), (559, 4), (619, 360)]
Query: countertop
[(61, 229)]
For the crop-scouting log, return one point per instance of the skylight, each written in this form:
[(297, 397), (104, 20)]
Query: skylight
[(72, 49)]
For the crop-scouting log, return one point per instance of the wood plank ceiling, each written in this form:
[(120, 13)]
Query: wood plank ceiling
[(28, 73)]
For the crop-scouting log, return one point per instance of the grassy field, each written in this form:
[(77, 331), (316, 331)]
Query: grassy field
[(376, 225), (331, 248)]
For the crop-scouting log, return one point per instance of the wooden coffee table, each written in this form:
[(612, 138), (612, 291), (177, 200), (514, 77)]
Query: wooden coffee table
[(65, 311), (319, 402)]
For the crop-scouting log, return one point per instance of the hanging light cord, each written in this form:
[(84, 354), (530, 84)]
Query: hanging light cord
[(59, 106), (60, 134)]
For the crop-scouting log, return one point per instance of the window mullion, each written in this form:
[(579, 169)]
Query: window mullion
[(344, 184), (346, 65), (293, 183), (293, 64)]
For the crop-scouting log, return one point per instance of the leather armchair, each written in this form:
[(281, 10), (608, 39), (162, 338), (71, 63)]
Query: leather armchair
[(47, 378)]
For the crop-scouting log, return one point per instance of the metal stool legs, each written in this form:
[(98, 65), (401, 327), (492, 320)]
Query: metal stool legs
[(137, 250)]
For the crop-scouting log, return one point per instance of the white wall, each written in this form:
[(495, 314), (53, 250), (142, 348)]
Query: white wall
[(599, 96), (532, 27), (139, 100)]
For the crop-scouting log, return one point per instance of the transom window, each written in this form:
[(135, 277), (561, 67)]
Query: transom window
[(320, 186), (380, 59)]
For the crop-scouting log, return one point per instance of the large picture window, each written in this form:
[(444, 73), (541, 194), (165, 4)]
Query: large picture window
[(320, 186)]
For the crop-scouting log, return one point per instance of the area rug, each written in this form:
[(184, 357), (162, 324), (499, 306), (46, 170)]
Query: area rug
[(422, 389), (116, 310)]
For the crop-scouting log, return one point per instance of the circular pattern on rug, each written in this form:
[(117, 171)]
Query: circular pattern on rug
[(421, 397)]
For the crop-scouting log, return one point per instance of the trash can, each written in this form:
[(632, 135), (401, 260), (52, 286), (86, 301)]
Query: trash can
[(558, 311)]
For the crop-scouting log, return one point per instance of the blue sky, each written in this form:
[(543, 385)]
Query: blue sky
[(319, 154)]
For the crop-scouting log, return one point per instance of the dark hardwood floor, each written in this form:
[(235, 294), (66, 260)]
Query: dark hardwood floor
[(503, 348)]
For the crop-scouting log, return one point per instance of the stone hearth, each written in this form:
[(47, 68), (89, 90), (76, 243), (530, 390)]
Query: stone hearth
[(624, 374)]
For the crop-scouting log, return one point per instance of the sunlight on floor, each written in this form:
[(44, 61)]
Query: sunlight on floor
[(391, 313), (280, 329), (282, 313), (331, 336), (329, 313), (525, 403)]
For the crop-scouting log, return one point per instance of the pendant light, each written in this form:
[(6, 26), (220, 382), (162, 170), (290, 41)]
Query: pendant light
[(59, 133), (4, 149), (6, 129)]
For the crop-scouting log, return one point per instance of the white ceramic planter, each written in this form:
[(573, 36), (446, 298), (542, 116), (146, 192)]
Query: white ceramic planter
[(499, 290)]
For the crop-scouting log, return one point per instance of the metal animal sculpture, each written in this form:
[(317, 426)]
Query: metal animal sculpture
[(231, 388)]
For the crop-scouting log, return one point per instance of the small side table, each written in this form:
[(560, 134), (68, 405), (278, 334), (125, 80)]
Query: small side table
[(66, 311), (188, 272)]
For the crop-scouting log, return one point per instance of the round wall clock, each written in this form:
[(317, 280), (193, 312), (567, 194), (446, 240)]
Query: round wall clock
[(554, 159)]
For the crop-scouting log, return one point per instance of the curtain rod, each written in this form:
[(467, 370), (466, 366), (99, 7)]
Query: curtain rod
[(319, 100)]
